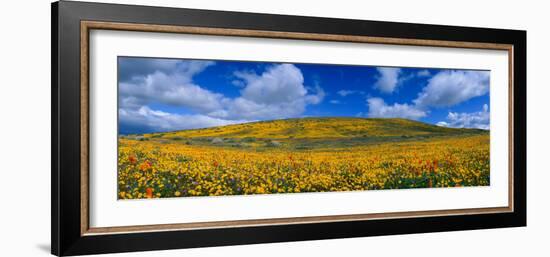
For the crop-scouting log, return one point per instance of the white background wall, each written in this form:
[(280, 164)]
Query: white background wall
[(25, 127)]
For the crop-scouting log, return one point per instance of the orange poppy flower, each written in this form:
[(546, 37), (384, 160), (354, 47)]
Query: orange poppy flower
[(145, 166), (149, 192)]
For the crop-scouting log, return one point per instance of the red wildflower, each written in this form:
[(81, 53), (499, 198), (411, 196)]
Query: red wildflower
[(145, 166), (149, 192)]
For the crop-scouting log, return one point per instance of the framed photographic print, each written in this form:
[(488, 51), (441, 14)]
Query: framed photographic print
[(177, 128)]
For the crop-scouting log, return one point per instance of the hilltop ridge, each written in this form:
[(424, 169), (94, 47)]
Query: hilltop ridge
[(325, 127)]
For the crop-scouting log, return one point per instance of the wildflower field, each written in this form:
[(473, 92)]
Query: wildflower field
[(301, 155)]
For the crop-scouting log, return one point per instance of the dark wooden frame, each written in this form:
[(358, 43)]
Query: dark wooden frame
[(71, 22)]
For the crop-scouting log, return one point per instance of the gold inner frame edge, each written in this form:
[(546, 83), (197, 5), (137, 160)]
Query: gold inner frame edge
[(86, 26)]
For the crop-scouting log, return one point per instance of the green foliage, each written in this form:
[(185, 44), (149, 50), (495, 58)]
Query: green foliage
[(313, 133)]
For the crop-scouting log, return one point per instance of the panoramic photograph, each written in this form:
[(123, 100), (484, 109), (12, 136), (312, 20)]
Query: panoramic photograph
[(189, 128)]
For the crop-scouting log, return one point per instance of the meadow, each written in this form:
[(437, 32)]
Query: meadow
[(301, 155)]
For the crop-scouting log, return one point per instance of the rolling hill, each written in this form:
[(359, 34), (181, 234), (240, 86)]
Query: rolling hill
[(307, 133), (323, 128)]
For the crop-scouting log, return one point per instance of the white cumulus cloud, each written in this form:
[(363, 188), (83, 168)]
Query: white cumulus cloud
[(175, 88), (154, 120), (379, 109), (279, 92), (451, 87), (134, 67), (280, 83), (387, 79), (444, 89), (480, 120)]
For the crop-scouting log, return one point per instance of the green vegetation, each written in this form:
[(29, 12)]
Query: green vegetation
[(313, 133)]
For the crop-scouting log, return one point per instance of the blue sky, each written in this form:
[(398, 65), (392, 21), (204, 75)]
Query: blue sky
[(173, 94)]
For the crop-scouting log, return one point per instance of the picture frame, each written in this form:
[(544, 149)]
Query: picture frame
[(72, 23)]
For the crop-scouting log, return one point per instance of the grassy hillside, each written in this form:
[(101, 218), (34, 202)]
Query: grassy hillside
[(308, 133), (301, 155), (322, 128)]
